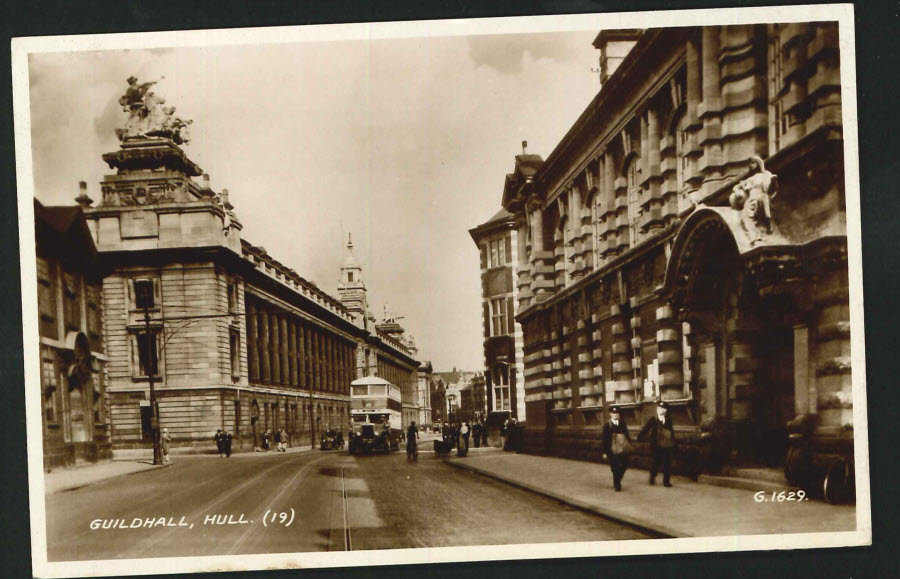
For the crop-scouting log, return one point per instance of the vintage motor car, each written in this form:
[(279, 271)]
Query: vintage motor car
[(365, 438), (331, 440)]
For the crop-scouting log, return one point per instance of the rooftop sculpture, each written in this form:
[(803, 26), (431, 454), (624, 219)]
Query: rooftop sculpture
[(148, 117)]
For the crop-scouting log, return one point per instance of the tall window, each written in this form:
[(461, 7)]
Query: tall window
[(501, 388), (46, 277), (144, 293), (232, 296), (71, 309), (498, 317), (234, 340), (50, 382), (145, 354), (497, 252)]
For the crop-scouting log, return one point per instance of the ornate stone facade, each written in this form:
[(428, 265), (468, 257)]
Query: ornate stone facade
[(74, 403), (638, 281)]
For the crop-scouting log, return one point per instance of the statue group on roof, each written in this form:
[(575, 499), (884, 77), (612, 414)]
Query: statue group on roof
[(147, 115)]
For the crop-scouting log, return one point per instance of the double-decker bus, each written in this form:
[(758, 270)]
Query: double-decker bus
[(375, 411)]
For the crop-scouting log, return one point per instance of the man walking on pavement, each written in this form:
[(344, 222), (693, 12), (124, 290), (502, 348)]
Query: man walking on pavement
[(220, 442), (227, 443), (661, 433), (616, 446)]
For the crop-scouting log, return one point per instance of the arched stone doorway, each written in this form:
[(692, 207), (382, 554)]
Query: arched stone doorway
[(740, 340)]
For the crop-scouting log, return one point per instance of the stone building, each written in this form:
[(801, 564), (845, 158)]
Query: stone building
[(686, 241), (74, 409), (423, 393), (499, 245), (237, 340)]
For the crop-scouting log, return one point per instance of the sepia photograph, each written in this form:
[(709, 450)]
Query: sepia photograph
[(442, 291)]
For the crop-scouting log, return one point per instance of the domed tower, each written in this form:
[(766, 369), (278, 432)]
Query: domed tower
[(352, 290)]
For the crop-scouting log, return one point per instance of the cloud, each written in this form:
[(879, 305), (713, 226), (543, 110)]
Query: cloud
[(505, 53)]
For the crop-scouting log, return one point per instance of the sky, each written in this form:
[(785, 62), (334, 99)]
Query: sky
[(403, 142)]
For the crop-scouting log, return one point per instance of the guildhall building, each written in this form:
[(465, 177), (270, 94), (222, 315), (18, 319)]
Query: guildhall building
[(686, 242)]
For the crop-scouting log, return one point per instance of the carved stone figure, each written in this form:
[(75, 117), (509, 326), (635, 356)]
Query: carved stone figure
[(751, 197), (147, 117)]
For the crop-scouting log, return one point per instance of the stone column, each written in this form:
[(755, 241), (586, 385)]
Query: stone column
[(560, 263), (653, 210), (314, 378), (710, 137), (537, 226), (575, 218), (252, 340), (669, 355), (542, 270), (621, 358), (523, 269), (693, 87), (283, 340), (265, 358), (292, 350), (302, 368), (274, 346), (609, 195), (801, 369)]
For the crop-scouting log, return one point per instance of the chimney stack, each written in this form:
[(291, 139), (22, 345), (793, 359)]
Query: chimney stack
[(83, 198), (524, 147)]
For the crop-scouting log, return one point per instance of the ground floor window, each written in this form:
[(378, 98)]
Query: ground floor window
[(50, 383), (501, 389), (145, 354)]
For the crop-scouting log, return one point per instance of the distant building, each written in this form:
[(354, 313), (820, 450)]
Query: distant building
[(686, 241), (438, 396), (74, 402), (423, 393)]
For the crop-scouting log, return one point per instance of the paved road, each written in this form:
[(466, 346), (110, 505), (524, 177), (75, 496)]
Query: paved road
[(204, 505)]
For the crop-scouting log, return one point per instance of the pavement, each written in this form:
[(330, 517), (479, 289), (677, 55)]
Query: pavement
[(687, 509)]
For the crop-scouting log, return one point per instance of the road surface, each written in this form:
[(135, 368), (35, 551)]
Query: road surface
[(302, 502)]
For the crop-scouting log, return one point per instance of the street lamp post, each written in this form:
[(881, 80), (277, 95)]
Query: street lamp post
[(143, 290), (450, 399)]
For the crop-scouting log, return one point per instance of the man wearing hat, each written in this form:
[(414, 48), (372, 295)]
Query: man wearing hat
[(616, 446), (661, 433)]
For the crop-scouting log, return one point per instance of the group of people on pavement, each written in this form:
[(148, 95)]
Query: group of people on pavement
[(617, 444), (457, 435), (223, 443), (278, 443)]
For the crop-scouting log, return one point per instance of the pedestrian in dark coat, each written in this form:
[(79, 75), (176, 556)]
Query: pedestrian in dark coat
[(228, 438), (277, 440), (265, 441), (476, 434), (661, 434), (220, 442), (616, 446), (484, 440)]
